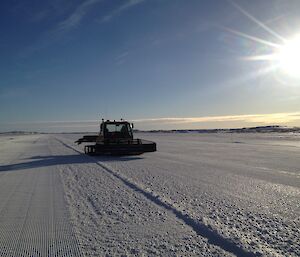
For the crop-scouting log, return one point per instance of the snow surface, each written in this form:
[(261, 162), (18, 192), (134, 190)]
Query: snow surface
[(216, 194)]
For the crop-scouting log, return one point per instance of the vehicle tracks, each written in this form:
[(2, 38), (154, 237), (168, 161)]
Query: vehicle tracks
[(197, 225), (34, 219)]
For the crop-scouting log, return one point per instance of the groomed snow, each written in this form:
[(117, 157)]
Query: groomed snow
[(198, 195)]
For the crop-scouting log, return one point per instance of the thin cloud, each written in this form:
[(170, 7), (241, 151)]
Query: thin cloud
[(72, 21), (122, 55), (53, 35), (120, 59), (120, 9), (278, 118), (40, 16), (271, 118), (227, 121), (75, 18)]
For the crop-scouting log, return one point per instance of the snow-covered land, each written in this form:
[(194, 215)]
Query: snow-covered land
[(218, 194)]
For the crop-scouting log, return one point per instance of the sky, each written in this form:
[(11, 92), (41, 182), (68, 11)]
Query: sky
[(163, 64)]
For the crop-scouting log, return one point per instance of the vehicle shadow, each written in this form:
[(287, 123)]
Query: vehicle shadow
[(54, 160)]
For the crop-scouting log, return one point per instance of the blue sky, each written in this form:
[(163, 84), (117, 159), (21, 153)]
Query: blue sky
[(161, 63)]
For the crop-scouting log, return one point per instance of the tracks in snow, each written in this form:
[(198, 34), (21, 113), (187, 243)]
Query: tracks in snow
[(198, 226), (34, 219)]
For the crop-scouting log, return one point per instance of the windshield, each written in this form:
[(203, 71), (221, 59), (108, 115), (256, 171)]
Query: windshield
[(116, 128), (121, 130)]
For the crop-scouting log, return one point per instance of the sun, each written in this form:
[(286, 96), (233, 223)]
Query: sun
[(289, 57), (279, 56)]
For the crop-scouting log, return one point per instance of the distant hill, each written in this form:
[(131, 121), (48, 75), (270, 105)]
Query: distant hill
[(260, 129), (19, 133)]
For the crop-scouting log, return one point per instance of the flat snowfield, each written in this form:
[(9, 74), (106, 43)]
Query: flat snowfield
[(198, 195)]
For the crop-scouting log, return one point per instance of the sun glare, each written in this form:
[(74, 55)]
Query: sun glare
[(284, 60), (289, 57)]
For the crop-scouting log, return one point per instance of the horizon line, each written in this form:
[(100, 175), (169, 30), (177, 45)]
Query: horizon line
[(280, 117)]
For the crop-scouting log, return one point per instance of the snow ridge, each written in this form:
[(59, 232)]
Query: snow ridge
[(198, 225)]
